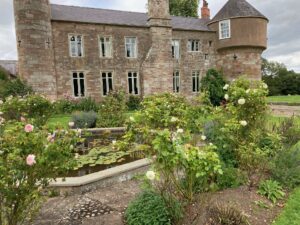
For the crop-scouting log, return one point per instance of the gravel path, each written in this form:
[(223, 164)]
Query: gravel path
[(102, 207)]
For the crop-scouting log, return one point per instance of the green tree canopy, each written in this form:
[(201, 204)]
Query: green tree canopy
[(280, 80), (187, 8)]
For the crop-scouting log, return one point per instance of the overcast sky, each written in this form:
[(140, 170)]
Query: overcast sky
[(283, 30)]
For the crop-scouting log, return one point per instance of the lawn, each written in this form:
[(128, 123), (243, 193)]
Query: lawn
[(291, 212), (290, 99), (60, 120)]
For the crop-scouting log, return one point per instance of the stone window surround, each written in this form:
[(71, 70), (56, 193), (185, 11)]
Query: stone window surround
[(193, 76), (85, 83), (220, 29), (199, 45), (100, 48), (175, 81), (179, 44), (113, 75), (82, 45), (136, 47), (138, 81)]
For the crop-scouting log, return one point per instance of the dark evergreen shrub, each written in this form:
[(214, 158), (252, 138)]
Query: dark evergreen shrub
[(84, 119)]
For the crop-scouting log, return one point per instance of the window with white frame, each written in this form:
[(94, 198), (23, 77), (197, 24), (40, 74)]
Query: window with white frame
[(105, 44), (193, 45), (76, 45), (175, 49), (107, 82), (133, 83), (131, 47), (196, 81), (224, 29), (78, 84), (176, 81)]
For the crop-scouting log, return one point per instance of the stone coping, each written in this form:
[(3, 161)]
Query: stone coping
[(98, 176)]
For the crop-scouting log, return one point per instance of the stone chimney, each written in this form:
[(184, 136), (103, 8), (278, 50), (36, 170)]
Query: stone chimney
[(205, 11)]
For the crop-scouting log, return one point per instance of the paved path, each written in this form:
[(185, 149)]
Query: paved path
[(101, 207), (284, 110)]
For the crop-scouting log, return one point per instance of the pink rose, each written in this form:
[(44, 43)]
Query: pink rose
[(28, 128), (30, 160), (22, 119)]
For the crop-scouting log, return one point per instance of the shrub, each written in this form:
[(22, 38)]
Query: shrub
[(271, 189), (289, 130), (84, 119), (213, 83), (29, 159), (134, 102), (148, 208), (112, 110), (4, 75), (286, 168), (231, 178), (33, 107), (69, 104), (225, 215), (15, 88)]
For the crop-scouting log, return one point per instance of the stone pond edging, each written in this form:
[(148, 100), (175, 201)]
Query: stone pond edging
[(105, 178)]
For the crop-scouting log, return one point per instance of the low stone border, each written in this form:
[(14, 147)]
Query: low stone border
[(105, 178), (284, 110), (284, 103)]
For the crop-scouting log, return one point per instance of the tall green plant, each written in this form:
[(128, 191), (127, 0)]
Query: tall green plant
[(213, 84), (186, 8)]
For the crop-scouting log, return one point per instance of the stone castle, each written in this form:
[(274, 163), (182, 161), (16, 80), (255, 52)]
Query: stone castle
[(78, 51)]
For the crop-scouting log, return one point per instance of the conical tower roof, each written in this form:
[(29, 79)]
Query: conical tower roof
[(237, 8)]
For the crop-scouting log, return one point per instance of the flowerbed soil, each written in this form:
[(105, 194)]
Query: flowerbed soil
[(106, 206)]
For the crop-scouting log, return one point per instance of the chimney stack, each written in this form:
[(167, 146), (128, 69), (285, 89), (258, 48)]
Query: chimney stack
[(205, 11)]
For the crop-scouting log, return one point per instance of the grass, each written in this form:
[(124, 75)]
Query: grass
[(60, 120), (290, 99), (291, 213)]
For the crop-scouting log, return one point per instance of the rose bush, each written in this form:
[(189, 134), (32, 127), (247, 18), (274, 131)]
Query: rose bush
[(29, 160)]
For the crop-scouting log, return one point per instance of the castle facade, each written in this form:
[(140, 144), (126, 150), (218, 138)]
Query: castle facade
[(80, 52)]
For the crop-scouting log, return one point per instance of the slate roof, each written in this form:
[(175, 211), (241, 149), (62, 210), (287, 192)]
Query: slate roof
[(115, 17), (237, 8)]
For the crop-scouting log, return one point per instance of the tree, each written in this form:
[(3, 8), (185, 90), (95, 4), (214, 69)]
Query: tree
[(280, 80), (186, 8)]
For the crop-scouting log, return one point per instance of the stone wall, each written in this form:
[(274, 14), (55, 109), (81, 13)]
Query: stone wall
[(155, 71), (34, 42), (235, 62)]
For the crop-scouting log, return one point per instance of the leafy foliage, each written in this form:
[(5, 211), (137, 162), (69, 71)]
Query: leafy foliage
[(29, 159), (271, 189), (231, 178), (280, 80), (84, 119), (225, 215), (70, 104), (286, 168), (33, 107), (148, 208), (112, 110), (213, 84), (14, 87), (134, 102), (186, 8)]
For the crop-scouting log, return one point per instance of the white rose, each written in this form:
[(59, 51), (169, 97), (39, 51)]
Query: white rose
[(248, 91), (241, 101), (243, 123), (211, 144), (226, 87), (226, 97), (131, 119), (265, 86), (71, 124), (180, 131), (150, 175), (1, 102), (77, 156), (203, 137), (114, 142), (174, 119)]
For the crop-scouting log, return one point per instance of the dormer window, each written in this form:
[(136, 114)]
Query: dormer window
[(224, 29)]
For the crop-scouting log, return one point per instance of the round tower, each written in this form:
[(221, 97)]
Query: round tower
[(34, 44), (241, 38)]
